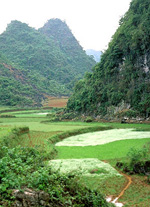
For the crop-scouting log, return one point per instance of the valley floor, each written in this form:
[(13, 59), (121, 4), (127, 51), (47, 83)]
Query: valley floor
[(137, 193)]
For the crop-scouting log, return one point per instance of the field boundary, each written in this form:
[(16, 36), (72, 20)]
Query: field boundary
[(58, 137)]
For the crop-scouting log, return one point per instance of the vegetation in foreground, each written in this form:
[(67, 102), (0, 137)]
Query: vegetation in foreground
[(138, 161), (48, 130), (24, 167), (32, 171)]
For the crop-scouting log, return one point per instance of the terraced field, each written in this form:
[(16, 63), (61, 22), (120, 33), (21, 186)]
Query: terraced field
[(82, 154), (91, 156)]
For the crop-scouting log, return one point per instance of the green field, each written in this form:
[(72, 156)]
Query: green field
[(103, 137), (36, 124), (41, 131), (113, 150), (4, 131), (28, 113)]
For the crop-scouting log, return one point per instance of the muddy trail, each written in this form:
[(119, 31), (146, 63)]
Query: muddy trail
[(113, 200)]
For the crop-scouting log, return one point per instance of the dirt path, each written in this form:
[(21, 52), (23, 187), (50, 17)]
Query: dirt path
[(115, 201), (127, 186)]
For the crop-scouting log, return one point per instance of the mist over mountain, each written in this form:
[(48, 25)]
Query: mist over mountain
[(96, 54), (50, 60)]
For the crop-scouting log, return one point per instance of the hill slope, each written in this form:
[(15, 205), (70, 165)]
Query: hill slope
[(69, 46), (15, 87), (41, 60), (121, 81)]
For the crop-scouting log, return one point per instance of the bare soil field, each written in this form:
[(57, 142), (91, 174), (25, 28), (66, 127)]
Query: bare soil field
[(58, 102)]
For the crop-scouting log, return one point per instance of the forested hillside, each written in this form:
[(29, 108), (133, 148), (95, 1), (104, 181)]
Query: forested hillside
[(41, 65), (15, 87), (122, 79), (74, 54)]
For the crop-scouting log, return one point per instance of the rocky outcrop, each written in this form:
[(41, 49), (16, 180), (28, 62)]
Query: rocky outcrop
[(31, 198)]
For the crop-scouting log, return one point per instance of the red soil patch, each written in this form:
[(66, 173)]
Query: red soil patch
[(58, 102)]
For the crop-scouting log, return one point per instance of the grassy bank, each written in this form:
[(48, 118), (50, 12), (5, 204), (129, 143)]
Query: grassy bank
[(24, 166)]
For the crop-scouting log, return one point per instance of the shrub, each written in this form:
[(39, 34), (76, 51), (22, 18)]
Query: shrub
[(16, 164), (20, 130), (24, 167), (70, 115), (88, 119), (13, 138), (138, 160), (127, 113)]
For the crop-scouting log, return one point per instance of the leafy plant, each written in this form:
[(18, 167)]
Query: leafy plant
[(22, 167), (138, 160)]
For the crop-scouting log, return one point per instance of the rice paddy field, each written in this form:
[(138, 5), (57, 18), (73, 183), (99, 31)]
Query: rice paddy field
[(91, 156), (103, 137), (86, 167)]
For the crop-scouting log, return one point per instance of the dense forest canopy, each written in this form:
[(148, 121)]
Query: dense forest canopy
[(122, 78), (48, 61)]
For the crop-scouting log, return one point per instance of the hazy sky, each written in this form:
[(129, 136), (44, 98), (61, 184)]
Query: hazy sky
[(93, 22)]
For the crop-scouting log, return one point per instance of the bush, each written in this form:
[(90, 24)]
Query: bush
[(52, 118), (88, 119), (13, 138), (138, 161), (20, 130), (69, 116), (15, 166), (25, 167), (127, 113)]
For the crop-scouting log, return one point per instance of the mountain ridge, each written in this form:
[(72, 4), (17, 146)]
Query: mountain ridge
[(121, 81), (40, 59)]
